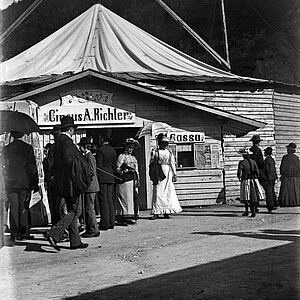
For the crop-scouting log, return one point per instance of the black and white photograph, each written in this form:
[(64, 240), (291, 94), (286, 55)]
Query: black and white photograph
[(150, 149)]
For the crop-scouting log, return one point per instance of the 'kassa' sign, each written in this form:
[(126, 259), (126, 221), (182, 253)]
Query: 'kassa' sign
[(187, 137)]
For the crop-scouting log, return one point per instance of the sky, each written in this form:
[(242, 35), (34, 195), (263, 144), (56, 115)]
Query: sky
[(5, 3)]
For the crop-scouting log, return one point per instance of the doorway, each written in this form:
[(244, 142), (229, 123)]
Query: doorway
[(119, 136)]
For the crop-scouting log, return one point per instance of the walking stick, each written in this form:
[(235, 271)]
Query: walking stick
[(109, 174), (135, 199)]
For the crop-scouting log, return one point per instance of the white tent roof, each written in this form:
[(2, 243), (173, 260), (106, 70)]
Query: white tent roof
[(100, 40)]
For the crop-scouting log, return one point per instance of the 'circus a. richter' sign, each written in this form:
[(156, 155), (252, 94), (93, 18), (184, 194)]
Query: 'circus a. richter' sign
[(84, 112)]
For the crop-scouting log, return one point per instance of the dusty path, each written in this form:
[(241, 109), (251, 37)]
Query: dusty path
[(203, 253)]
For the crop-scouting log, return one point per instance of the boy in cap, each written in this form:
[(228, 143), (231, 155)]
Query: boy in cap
[(90, 195)]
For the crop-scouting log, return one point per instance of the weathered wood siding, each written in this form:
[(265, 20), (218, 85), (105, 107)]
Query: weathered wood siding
[(200, 187), (287, 122), (256, 105), (194, 187)]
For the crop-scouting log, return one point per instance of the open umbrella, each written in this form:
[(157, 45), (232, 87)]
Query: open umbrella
[(154, 128), (17, 121)]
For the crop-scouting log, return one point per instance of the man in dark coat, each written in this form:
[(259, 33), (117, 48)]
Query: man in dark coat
[(57, 204), (21, 178), (257, 156), (106, 163), (269, 180), (65, 155)]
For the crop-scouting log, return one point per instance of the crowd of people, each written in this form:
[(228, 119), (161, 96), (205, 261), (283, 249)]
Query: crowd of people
[(77, 178), (80, 178), (257, 174)]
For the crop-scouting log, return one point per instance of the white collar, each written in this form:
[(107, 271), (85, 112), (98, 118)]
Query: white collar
[(66, 134)]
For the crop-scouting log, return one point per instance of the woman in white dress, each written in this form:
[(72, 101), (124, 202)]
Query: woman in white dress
[(127, 190), (165, 201)]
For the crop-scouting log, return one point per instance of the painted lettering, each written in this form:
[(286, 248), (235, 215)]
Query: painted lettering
[(87, 116)]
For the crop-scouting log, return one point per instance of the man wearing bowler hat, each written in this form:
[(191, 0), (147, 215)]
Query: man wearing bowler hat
[(65, 155)]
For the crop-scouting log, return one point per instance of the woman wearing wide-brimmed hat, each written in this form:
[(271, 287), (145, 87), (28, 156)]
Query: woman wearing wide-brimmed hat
[(250, 190), (165, 201), (127, 189), (289, 194)]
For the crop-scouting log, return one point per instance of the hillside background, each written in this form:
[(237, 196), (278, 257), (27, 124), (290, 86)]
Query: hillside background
[(264, 35)]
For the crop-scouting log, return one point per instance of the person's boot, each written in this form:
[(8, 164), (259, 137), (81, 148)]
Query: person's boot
[(246, 213), (253, 210)]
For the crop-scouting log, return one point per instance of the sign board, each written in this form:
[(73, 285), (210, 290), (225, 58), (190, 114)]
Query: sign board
[(84, 112), (186, 137)]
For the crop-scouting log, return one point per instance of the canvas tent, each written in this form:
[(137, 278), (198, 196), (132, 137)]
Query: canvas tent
[(102, 41)]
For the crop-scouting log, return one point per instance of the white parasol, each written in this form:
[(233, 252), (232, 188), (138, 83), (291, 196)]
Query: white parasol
[(154, 128)]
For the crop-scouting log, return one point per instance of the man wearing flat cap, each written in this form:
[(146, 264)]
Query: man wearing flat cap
[(67, 157), (90, 195)]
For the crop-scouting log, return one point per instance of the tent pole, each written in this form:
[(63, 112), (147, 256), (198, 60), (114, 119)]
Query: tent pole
[(16, 23), (221, 60), (225, 32)]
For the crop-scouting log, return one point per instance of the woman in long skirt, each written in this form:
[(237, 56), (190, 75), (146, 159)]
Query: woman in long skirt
[(250, 189), (165, 201), (289, 194), (127, 169)]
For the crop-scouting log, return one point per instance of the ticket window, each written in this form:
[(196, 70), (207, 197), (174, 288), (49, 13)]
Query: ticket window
[(184, 155), (196, 155)]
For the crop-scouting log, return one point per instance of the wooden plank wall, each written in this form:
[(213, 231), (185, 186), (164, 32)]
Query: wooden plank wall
[(200, 187), (287, 123), (256, 105)]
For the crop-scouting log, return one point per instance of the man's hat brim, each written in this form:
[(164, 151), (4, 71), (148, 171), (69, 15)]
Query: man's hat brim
[(68, 125)]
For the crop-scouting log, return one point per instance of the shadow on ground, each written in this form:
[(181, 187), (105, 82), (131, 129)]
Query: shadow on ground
[(272, 273)]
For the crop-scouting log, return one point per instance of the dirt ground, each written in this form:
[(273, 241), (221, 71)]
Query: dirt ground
[(202, 253)]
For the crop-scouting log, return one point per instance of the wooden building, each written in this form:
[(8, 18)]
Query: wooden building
[(110, 73), (98, 101), (275, 104)]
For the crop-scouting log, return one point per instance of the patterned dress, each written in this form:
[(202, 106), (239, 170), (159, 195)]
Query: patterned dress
[(126, 190)]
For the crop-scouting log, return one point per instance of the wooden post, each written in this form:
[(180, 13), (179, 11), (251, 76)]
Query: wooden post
[(225, 32)]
